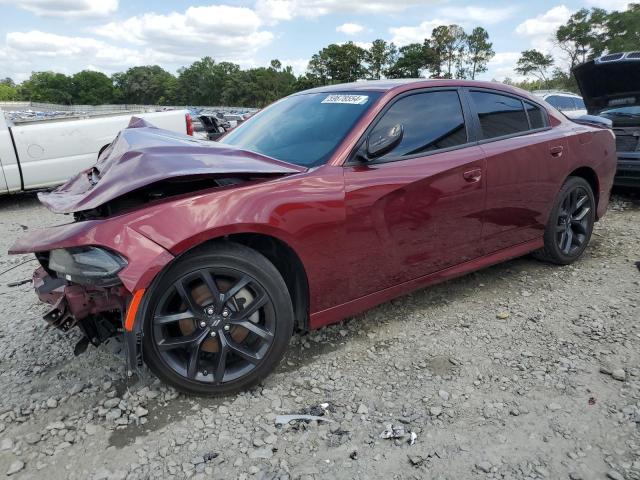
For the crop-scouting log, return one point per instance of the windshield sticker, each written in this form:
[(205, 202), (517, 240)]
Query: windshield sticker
[(347, 99)]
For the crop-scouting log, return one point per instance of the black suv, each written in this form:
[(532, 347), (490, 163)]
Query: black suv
[(610, 86)]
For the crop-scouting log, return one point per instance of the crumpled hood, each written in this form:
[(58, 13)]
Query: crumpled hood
[(610, 81), (142, 155)]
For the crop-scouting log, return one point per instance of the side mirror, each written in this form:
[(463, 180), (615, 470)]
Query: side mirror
[(380, 143)]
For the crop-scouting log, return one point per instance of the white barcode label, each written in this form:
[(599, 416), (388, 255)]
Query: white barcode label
[(347, 99)]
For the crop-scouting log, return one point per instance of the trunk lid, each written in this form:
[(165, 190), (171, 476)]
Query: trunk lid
[(142, 155)]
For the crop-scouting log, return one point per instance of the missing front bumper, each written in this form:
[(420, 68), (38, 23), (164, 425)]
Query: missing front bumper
[(98, 312)]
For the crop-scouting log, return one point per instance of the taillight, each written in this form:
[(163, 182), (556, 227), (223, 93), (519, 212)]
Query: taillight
[(187, 118)]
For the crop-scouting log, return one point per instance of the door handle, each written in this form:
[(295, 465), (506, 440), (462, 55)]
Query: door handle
[(556, 151), (472, 175)]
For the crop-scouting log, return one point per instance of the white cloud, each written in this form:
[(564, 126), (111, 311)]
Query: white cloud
[(363, 45), (350, 28), (299, 65), (501, 66), (221, 31), (41, 44), (66, 8), (26, 52), (408, 34), (279, 10), (483, 15), (610, 4), (540, 30)]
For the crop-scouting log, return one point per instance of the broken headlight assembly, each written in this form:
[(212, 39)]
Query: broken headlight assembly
[(87, 265)]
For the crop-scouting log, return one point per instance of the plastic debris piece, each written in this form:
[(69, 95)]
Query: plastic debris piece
[(285, 419), (398, 431), (209, 456), (318, 410), (392, 432)]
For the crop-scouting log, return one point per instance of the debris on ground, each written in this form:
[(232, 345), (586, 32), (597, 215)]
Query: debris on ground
[(487, 398), (286, 419), (319, 410), (398, 432)]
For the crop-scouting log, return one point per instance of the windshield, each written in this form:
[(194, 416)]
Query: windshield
[(628, 116), (302, 129), (633, 111)]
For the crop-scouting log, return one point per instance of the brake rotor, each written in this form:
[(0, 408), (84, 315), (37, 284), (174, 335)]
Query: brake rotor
[(202, 296)]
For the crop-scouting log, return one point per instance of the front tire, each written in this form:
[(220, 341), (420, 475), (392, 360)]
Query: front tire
[(570, 223), (217, 321)]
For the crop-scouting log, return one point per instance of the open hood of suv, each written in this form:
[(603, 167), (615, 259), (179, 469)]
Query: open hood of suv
[(142, 155), (610, 81)]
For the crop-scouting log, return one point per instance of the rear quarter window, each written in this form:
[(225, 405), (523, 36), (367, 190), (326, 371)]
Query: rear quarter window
[(537, 117)]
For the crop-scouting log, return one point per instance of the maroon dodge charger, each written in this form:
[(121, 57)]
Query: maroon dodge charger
[(330, 201)]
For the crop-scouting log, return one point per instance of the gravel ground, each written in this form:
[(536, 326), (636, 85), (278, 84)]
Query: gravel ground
[(520, 371)]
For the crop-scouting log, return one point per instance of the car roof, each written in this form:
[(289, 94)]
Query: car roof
[(403, 84), (555, 92)]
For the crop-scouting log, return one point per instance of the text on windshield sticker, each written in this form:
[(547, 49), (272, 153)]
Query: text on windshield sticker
[(347, 99)]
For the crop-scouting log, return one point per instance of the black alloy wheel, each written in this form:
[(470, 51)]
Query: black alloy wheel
[(570, 223), (218, 321), (573, 222)]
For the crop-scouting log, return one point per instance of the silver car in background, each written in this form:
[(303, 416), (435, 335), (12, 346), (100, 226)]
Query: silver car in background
[(568, 103)]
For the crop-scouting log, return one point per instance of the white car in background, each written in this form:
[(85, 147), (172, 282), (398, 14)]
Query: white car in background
[(568, 103), (46, 153)]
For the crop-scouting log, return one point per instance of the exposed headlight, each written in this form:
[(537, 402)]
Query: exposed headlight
[(87, 265)]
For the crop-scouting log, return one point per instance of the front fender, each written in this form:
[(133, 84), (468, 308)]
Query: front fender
[(145, 258)]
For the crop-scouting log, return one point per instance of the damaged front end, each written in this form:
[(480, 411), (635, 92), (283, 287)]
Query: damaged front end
[(94, 271), (82, 286), (97, 311)]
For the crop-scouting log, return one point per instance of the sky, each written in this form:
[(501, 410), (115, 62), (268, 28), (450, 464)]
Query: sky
[(110, 35)]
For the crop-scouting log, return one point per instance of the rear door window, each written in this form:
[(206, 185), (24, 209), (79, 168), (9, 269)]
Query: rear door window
[(499, 115), (430, 120)]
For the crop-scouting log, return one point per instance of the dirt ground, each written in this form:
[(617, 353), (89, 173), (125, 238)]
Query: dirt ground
[(520, 371)]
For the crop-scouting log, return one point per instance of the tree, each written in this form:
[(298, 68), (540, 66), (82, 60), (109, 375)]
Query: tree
[(477, 52), (149, 85), (582, 37), (258, 87), (275, 65), (623, 30), (534, 62), (447, 45), (410, 62), (48, 87), (380, 56), (91, 88), (203, 82), (338, 63), (7, 81), (8, 92)]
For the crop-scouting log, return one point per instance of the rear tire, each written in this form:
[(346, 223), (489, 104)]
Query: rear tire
[(570, 223), (217, 321)]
